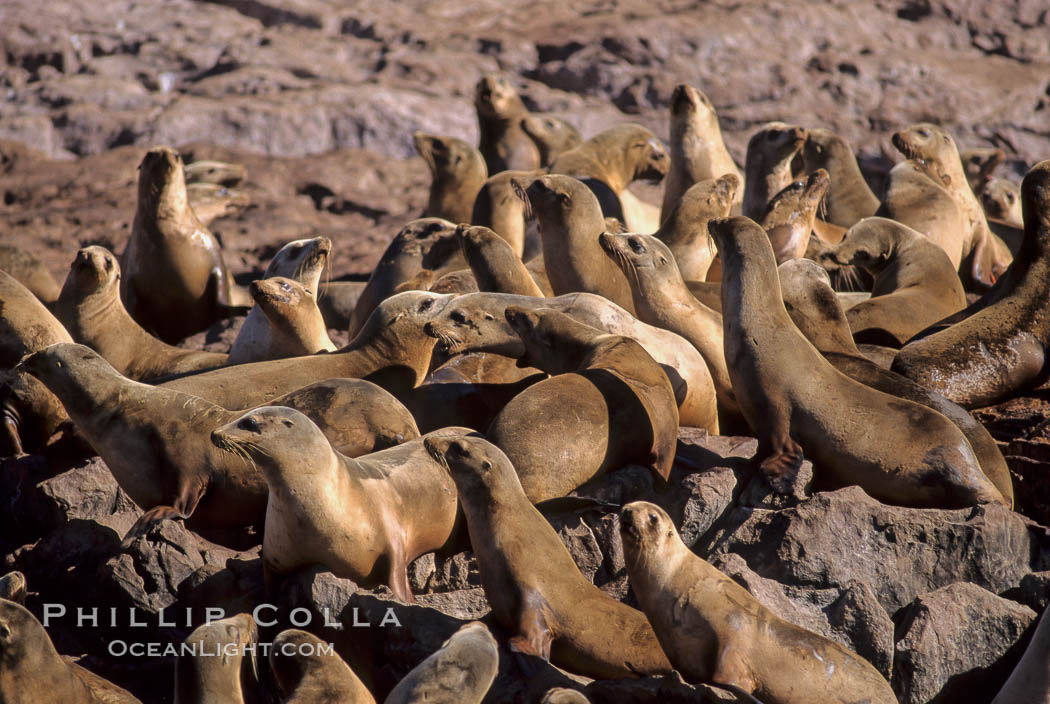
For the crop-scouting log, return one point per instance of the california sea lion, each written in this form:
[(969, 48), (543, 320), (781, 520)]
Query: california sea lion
[(337, 300), (684, 229), (307, 673), (461, 672), (457, 172), (714, 631), (174, 281), (814, 309), (30, 272), (767, 167), (499, 207), (915, 282), (849, 198), (698, 152), (495, 265), (999, 350), (296, 325), (13, 587), (364, 519), (300, 260), (788, 218), (979, 163), (221, 173), (503, 143), (535, 589), (210, 201), (1030, 680), (90, 308), (224, 667), (552, 136), (796, 401), (1001, 200)]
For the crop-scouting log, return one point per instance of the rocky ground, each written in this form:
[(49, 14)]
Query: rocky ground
[(319, 99)]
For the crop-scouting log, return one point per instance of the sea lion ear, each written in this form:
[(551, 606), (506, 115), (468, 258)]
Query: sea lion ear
[(486, 465), (5, 634)]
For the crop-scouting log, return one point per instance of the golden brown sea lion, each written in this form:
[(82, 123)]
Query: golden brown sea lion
[(461, 672), (221, 665), (979, 163), (499, 208), (457, 172), (552, 136), (788, 219), (210, 201), (493, 262), (767, 167), (849, 198), (1001, 200), (306, 672), (296, 325), (30, 272), (503, 142), (684, 230), (221, 173)]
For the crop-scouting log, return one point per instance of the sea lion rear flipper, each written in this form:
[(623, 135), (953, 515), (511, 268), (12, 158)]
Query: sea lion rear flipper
[(534, 635), (398, 577)]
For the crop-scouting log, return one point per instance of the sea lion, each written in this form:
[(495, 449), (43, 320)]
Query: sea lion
[(788, 219), (503, 142), (849, 199), (622, 407), (457, 172), (915, 282), (364, 519), (155, 441), (698, 152), (31, 670), (461, 672), (337, 300), (296, 325), (713, 630), (767, 167), (300, 260), (1030, 680), (499, 207), (306, 672), (423, 244), (998, 349), (222, 666), (210, 201), (979, 163), (530, 579), (495, 265), (476, 323), (90, 308), (1001, 200), (814, 309), (684, 229), (30, 272), (552, 136), (174, 280), (610, 161), (221, 173), (570, 221), (563, 695), (13, 587), (796, 401)]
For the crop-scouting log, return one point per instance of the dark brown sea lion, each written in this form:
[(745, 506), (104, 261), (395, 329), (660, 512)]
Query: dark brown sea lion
[(503, 143), (849, 199), (457, 172), (767, 168)]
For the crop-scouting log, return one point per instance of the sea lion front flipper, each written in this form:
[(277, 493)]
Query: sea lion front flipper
[(731, 669), (534, 634), (982, 268), (183, 506), (780, 467), (398, 577)]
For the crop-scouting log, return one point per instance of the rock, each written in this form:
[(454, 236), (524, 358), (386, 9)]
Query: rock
[(87, 491), (1033, 591), (958, 643)]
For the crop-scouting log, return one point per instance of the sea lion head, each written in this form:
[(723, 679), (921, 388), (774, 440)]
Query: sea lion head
[(929, 145), (66, 366), (303, 260), (396, 325), (21, 637), (431, 241), (869, 244), (290, 664), (475, 465), (554, 197), (645, 530), (474, 322), (278, 294), (200, 676), (13, 587), (448, 157), (94, 270), (161, 180), (822, 146), (691, 106), (812, 305), (737, 237), (552, 135), (777, 141), (644, 156), (266, 435), (639, 255), (554, 342), (1035, 200), (494, 96), (798, 201), (979, 163), (1000, 198)]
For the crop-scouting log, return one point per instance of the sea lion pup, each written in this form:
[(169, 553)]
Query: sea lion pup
[(933, 148), (457, 172), (684, 230), (174, 281), (552, 136), (220, 173), (1001, 200), (849, 199), (461, 672), (998, 349), (210, 201), (570, 221), (530, 579), (90, 308), (815, 310), (714, 631), (364, 519), (500, 208), (296, 325), (698, 152), (609, 162), (423, 244), (476, 323), (796, 401), (979, 163), (915, 282), (788, 219), (13, 587), (503, 142), (495, 265), (662, 299), (306, 672), (155, 441), (32, 671), (300, 260), (1030, 680), (622, 407), (767, 167), (220, 665), (30, 272)]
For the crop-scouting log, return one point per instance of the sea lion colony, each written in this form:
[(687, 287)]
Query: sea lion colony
[(495, 384)]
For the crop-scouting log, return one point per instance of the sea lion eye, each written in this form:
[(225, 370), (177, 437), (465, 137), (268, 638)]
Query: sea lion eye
[(1010, 197), (653, 519), (425, 305), (925, 134), (636, 245), (286, 287), (458, 317), (248, 423)]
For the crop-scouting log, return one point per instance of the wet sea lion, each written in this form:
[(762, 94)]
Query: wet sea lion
[(461, 672), (698, 152), (530, 579), (622, 407), (814, 309), (364, 519), (788, 219), (495, 265), (499, 207), (797, 402), (552, 136), (767, 167), (1001, 200), (30, 272), (457, 172), (503, 142), (296, 325), (998, 349), (174, 280), (915, 282), (714, 631), (224, 668), (90, 308), (849, 199), (306, 673), (684, 230)]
